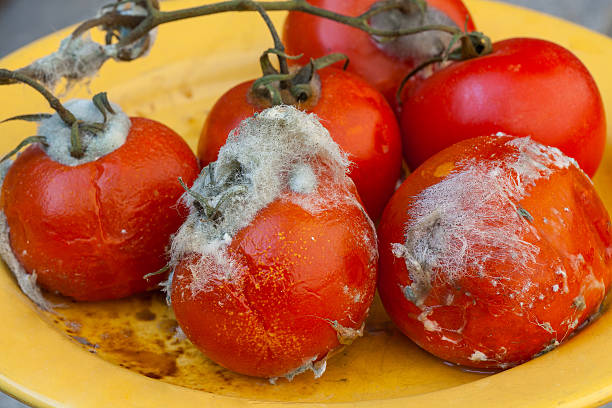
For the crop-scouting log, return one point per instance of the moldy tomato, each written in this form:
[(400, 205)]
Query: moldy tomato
[(525, 87), (382, 63), (91, 229), (355, 114), (494, 251), (275, 268)]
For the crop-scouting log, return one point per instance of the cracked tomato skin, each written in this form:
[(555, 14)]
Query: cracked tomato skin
[(523, 311), (357, 117), (315, 37), (525, 87), (92, 231), (298, 275)]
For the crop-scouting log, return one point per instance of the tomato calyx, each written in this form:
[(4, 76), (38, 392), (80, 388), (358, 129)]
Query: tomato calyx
[(298, 87), (284, 87), (229, 188), (76, 126), (463, 46)]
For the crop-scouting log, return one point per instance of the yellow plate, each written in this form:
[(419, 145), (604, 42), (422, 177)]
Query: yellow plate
[(124, 353)]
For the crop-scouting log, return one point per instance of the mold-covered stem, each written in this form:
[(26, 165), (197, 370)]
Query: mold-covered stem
[(156, 17)]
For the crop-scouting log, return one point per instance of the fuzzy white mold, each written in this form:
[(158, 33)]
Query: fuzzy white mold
[(317, 367), (281, 153), (419, 47), (303, 180), (76, 59), (26, 281), (478, 356), (346, 335), (80, 58), (474, 211), (97, 145)]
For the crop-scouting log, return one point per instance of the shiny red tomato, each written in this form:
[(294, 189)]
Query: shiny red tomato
[(526, 87), (357, 117), (92, 231), (494, 251), (383, 67)]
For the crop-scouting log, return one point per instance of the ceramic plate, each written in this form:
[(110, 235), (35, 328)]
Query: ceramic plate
[(125, 353)]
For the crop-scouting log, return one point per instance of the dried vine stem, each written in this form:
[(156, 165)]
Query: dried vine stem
[(156, 17), (130, 26)]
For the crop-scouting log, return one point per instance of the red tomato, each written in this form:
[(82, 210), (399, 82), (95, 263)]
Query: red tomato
[(355, 114), (494, 251), (94, 230), (315, 37), (282, 271), (304, 279), (526, 87)]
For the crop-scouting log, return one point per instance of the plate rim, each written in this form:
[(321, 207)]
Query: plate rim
[(600, 393)]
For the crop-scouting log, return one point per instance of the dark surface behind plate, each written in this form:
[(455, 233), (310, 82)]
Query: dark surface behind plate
[(23, 21)]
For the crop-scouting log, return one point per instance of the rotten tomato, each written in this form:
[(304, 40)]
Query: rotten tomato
[(494, 251)]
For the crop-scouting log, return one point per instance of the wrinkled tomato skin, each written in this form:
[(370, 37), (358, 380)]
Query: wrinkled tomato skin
[(526, 87), (298, 274), (357, 117), (315, 37), (532, 307), (92, 231)]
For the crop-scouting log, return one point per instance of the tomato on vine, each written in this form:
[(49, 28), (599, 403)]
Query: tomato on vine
[(383, 62), (524, 87), (89, 207)]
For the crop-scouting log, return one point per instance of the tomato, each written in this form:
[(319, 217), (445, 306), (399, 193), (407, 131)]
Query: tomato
[(355, 114), (382, 66), (494, 251), (278, 292), (293, 290), (526, 87), (92, 231)]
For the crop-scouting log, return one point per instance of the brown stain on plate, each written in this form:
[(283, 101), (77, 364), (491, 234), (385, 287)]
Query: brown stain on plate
[(145, 315), (140, 334)]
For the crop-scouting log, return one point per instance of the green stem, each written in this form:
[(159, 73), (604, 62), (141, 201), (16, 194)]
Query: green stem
[(278, 44), (24, 143), (76, 147), (473, 45), (10, 77), (398, 93)]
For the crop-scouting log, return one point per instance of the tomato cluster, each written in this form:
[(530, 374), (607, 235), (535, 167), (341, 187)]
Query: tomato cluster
[(494, 250)]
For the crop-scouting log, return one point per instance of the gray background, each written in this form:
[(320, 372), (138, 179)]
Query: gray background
[(22, 21)]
